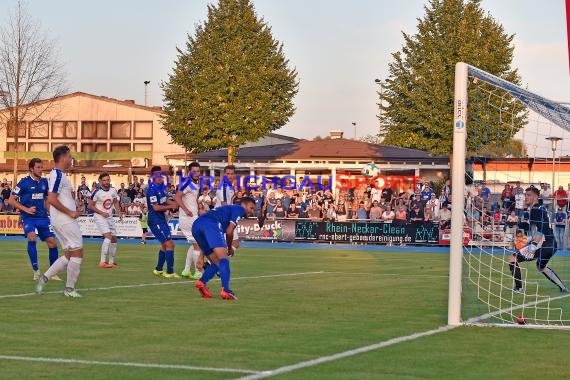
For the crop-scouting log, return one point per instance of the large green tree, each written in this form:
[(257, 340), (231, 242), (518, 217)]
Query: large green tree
[(416, 101), (232, 84)]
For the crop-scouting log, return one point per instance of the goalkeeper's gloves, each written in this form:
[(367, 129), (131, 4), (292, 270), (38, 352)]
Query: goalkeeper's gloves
[(529, 250)]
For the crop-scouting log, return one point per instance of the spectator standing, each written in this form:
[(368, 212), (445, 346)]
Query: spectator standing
[(388, 215), (561, 197), (485, 193), (445, 217), (375, 212), (401, 216), (560, 227), (416, 215), (361, 212), (330, 214), (292, 212), (341, 208), (433, 206), (6, 191), (546, 195), (279, 210), (506, 196), (518, 194), (315, 212)]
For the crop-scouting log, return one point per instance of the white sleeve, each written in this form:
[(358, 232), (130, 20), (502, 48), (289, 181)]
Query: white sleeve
[(54, 183)]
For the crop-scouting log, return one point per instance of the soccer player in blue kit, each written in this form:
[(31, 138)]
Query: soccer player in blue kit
[(30, 196), (209, 230), (158, 204)]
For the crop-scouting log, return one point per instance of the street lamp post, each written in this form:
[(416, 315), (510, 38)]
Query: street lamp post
[(381, 103), (146, 82), (553, 144), (354, 125)]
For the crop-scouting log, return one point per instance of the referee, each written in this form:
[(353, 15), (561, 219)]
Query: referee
[(542, 245)]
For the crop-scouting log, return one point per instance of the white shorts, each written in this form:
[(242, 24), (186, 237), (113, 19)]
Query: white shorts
[(69, 235), (106, 225), (185, 224)]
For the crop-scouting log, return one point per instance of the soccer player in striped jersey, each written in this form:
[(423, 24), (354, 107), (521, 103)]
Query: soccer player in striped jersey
[(541, 247), (64, 222), (187, 199), (102, 202), (30, 197), (214, 233)]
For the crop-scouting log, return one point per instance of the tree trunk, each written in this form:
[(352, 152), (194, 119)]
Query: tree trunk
[(16, 140), (232, 151)]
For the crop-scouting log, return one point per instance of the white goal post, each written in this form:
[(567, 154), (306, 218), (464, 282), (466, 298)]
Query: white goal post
[(498, 280)]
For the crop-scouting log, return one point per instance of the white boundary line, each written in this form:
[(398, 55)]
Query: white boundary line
[(125, 364), (160, 284), (346, 354)]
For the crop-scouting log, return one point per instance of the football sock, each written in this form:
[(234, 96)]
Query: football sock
[(224, 266), (209, 273), (553, 277), (196, 254), (104, 250), (53, 255), (57, 267), (169, 261), (516, 272), (188, 260), (73, 269), (161, 260), (33, 254), (112, 252)]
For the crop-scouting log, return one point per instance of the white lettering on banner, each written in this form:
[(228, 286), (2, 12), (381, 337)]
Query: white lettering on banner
[(128, 227), (243, 229)]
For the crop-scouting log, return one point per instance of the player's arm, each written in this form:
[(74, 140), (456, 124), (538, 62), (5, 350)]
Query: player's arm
[(117, 206), (13, 200), (53, 200), (178, 199), (230, 237), (92, 206)]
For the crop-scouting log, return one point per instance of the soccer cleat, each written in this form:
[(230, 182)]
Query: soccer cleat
[(203, 289), (55, 277), (71, 293), (185, 274), (157, 272), (564, 290), (112, 265), (170, 275), (197, 276), (40, 285), (143, 242), (518, 290), (102, 265), (228, 295), (37, 275)]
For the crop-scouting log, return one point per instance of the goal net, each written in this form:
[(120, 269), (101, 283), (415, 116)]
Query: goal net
[(506, 140)]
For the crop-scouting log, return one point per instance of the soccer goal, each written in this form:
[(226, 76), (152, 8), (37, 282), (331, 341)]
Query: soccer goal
[(505, 140)]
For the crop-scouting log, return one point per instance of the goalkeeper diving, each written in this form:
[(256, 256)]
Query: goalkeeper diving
[(541, 245)]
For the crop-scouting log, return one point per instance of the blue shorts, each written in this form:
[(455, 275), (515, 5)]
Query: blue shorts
[(41, 225), (208, 235), (161, 232)]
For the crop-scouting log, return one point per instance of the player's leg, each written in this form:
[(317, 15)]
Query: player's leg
[(168, 247), (103, 227), (198, 261), (32, 248), (199, 231), (186, 228), (515, 269), (544, 255), (113, 245), (158, 234), (219, 257), (46, 234)]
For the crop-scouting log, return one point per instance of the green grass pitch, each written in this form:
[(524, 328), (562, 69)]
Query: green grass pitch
[(294, 305)]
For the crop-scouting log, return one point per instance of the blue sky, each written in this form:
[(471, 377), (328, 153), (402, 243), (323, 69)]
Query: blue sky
[(338, 48)]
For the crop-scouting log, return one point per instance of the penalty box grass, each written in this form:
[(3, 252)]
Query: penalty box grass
[(294, 305)]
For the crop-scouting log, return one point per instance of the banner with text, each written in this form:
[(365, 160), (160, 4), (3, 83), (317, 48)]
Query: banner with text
[(10, 225), (128, 227)]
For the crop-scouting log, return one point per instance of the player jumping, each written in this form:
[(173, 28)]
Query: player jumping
[(30, 197), (541, 246), (187, 198), (209, 230), (64, 222), (158, 204), (102, 201)]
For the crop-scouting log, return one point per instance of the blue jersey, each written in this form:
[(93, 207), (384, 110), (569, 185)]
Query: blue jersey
[(32, 193), (224, 215), (156, 195)]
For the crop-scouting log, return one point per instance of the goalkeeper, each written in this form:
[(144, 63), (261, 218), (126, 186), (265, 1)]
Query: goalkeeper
[(540, 246)]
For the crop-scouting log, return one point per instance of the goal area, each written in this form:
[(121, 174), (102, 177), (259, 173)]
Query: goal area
[(507, 139)]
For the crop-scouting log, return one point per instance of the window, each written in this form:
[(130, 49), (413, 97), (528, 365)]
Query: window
[(120, 148), (64, 129), (21, 129), (93, 147), (94, 129), (38, 147), (120, 129), (143, 148), (39, 130), (143, 129), (21, 147)]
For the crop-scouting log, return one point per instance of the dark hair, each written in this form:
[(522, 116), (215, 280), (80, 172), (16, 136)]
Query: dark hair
[(103, 175), (60, 151), (533, 189), (33, 163), (230, 167), (246, 200), (155, 169), (193, 165)]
